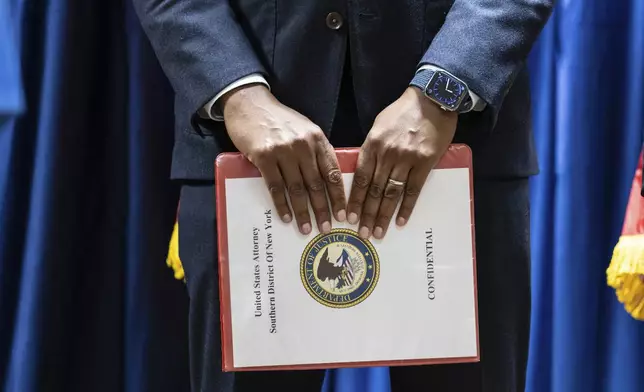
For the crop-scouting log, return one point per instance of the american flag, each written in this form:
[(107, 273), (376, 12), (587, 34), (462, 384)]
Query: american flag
[(345, 262)]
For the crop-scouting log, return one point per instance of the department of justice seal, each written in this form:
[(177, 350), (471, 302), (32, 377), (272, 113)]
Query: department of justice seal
[(339, 269)]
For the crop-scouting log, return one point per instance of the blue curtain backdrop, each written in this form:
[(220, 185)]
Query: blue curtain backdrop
[(588, 85), (86, 301)]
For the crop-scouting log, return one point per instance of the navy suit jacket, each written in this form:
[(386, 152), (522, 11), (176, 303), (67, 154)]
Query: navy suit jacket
[(204, 45)]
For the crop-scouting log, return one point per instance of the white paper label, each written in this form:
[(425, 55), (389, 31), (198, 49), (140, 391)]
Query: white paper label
[(298, 300)]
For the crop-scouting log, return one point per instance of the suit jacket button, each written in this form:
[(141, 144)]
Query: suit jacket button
[(334, 20)]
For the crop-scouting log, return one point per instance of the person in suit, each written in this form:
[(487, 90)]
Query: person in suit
[(286, 81)]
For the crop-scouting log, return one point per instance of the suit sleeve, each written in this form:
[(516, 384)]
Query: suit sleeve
[(486, 42), (200, 46)]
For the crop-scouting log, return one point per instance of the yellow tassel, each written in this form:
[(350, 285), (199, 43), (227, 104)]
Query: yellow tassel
[(626, 274), (173, 261)]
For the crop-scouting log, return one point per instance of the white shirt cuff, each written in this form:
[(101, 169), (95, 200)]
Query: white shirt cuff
[(210, 109), (477, 103)]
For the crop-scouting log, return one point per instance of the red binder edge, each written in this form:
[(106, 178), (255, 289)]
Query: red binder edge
[(235, 165)]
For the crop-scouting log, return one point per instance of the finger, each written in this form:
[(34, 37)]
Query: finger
[(317, 191), (330, 169), (390, 198), (360, 185), (417, 177), (275, 184), (290, 169), (374, 196)]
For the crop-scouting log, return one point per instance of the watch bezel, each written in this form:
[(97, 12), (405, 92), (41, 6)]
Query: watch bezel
[(458, 104)]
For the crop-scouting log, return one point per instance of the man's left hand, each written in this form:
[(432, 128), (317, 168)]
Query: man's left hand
[(406, 141)]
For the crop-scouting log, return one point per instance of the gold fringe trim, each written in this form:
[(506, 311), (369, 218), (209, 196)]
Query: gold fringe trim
[(626, 274), (173, 261)]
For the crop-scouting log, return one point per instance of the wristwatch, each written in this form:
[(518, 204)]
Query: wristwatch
[(445, 89)]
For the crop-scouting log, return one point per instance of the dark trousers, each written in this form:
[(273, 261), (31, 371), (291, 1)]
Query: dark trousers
[(502, 246)]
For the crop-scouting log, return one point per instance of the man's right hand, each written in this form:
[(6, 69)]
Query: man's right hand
[(292, 154)]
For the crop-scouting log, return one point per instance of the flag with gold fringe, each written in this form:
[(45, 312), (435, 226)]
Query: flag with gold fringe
[(626, 270)]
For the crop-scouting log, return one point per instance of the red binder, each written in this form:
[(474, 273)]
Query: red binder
[(234, 165)]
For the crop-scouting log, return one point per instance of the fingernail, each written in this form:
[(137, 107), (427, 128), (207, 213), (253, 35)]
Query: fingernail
[(286, 218), (353, 218), (325, 227), (364, 232), (306, 228), (342, 215), (401, 221), (377, 232)]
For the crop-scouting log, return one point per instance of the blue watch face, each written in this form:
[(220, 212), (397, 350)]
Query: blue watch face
[(446, 90)]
